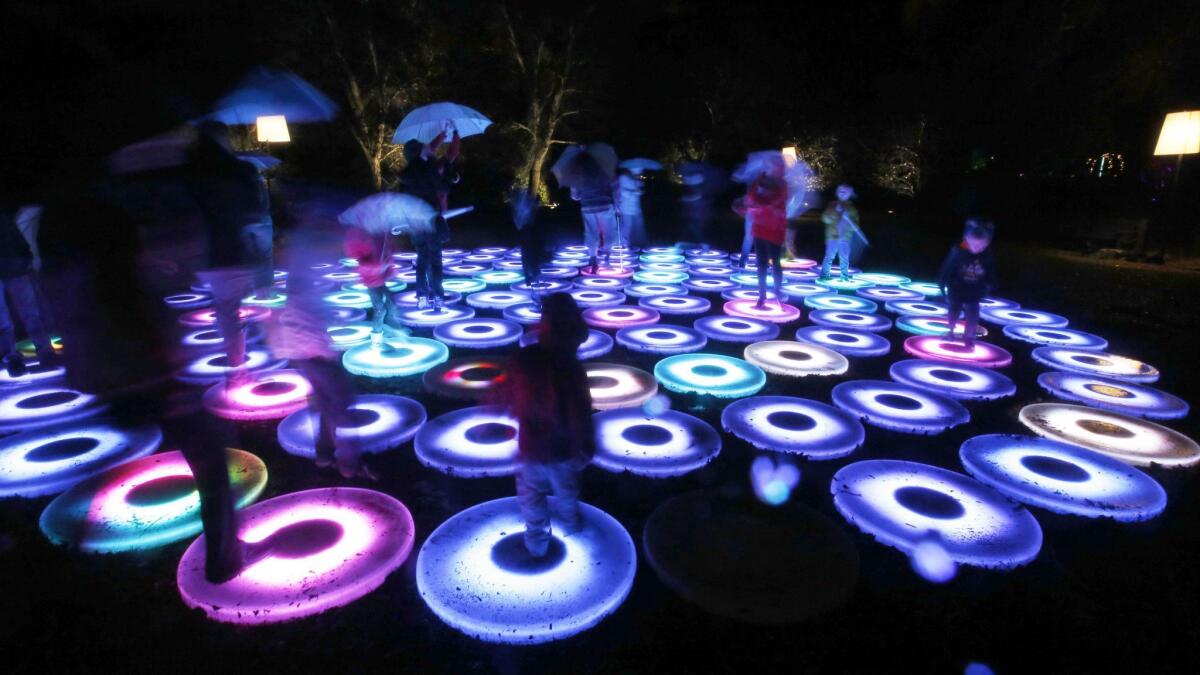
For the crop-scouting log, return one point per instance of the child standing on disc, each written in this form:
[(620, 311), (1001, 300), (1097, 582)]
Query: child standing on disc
[(968, 275), (841, 226)]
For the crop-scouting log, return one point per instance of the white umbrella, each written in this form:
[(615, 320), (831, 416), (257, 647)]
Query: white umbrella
[(390, 212), (426, 122), (266, 91)]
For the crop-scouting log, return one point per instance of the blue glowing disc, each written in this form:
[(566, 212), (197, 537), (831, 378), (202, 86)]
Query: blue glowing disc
[(462, 285), (671, 250), (887, 294), (710, 272), (392, 287), (796, 359), (613, 385), (347, 314), (398, 358), (661, 257), (649, 290), (749, 294), (480, 258), (497, 251), (428, 318), (745, 279), (661, 277), (676, 305), (710, 375), (466, 269), (501, 277), (193, 300), (410, 299), (622, 316), (1055, 337), (845, 341), (475, 575), (42, 462), (1062, 478), (559, 272), (794, 425), (376, 423), (839, 284), (214, 367), (706, 285), (349, 335), (35, 373), (842, 302), (525, 314), (882, 279), (904, 504), (405, 276), (454, 252), (497, 299), (998, 303), (204, 318), (602, 283), (661, 339), (899, 407), (803, 290), (591, 297), (735, 329), (469, 442), (210, 338), (928, 325), (841, 319), (801, 276), (917, 308), (544, 286), (510, 265), (596, 345), (963, 382), (1021, 316), (42, 405), (275, 299), (1128, 439), (478, 333), (1095, 362), (615, 270), (354, 299), (925, 288), (470, 378), (670, 444), (1123, 397)]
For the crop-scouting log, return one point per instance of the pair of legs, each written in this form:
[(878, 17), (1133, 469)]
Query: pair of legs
[(841, 249), (747, 244), (258, 240), (968, 309), (533, 250), (599, 229), (768, 253), (381, 307), (23, 296), (536, 482), (333, 394), (203, 438), (429, 265), (230, 285)]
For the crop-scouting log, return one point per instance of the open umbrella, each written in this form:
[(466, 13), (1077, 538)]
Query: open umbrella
[(266, 91), (426, 122), (390, 212), (711, 179), (640, 164)]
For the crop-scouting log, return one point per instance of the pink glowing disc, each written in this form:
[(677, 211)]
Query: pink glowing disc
[(772, 311), (203, 318), (982, 354), (267, 395)]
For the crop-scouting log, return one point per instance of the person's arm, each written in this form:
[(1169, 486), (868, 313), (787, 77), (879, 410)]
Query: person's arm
[(993, 281), (431, 147), (455, 147), (947, 270)]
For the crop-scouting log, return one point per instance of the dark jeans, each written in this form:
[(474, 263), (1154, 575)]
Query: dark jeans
[(203, 438), (968, 307), (533, 250), (333, 394), (21, 292), (381, 307), (536, 482), (766, 253)]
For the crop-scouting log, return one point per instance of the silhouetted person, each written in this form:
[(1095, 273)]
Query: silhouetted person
[(841, 220), (764, 204), (18, 292), (524, 206), (968, 275), (429, 177)]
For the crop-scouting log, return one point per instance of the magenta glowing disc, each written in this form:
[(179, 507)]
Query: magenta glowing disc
[(470, 378), (620, 317), (202, 318), (982, 354), (607, 271), (266, 395), (772, 311)]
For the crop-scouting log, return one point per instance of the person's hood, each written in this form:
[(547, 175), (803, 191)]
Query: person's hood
[(412, 150)]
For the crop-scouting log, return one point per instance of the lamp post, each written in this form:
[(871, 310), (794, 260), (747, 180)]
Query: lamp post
[(1179, 136)]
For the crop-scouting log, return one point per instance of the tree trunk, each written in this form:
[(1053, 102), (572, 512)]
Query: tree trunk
[(535, 171)]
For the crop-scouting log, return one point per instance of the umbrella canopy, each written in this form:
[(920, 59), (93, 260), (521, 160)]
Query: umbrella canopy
[(266, 91), (260, 160), (390, 212), (711, 179), (640, 164), (426, 122), (576, 168)]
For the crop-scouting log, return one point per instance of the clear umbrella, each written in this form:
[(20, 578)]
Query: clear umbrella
[(640, 164), (390, 212), (266, 91), (426, 122)]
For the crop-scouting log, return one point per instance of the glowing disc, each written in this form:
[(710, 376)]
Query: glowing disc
[(1129, 439), (501, 277), (899, 407), (40, 405), (839, 284), (845, 341), (843, 302), (839, 319), (709, 272), (998, 303), (619, 317), (497, 299), (601, 283), (1055, 337), (704, 285), (982, 354), (882, 279), (662, 339), (591, 297), (210, 338), (802, 290), (267, 395), (928, 325), (319, 549), (559, 272), (887, 294), (958, 381), (650, 290), (1122, 397), (188, 300), (670, 444), (607, 271), (526, 314), (772, 311), (377, 422), (1094, 362), (428, 318), (461, 286), (467, 378), (391, 286), (710, 374), (203, 318), (469, 442), (542, 286), (466, 269), (349, 335), (1006, 316), (41, 462), (614, 385), (796, 359), (596, 344), (35, 373), (478, 333), (676, 305), (735, 329), (399, 358), (212, 368), (661, 257), (925, 288), (796, 426)]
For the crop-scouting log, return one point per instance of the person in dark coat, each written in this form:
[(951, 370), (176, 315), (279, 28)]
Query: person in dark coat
[(968, 275), (430, 177), (18, 292)]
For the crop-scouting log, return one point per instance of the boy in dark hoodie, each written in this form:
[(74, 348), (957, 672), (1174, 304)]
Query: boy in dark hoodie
[(968, 275), (429, 177)]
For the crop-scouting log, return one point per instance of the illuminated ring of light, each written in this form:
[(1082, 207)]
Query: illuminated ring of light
[(661, 339), (411, 300), (794, 425), (982, 354), (899, 407), (514, 253), (405, 256), (887, 293), (745, 278), (601, 283), (478, 333), (1122, 397), (454, 252), (711, 272), (354, 299), (40, 462), (998, 303), (1129, 439), (381, 422), (674, 250), (930, 325), (364, 536), (501, 277), (963, 382), (773, 311), (795, 359), (903, 504), (607, 271), (708, 261), (833, 318), (568, 263), (883, 279), (620, 317), (801, 290), (408, 356), (143, 504), (1062, 478), (527, 313), (1022, 317), (798, 264), (678, 267), (188, 300), (577, 252), (392, 285), (670, 444), (348, 262), (275, 299), (349, 335), (710, 374), (845, 341), (661, 257), (210, 338), (203, 318), (42, 405), (596, 344), (615, 385), (929, 290), (676, 305), (695, 252), (211, 368), (659, 277), (542, 286), (651, 290), (1056, 337), (35, 373), (469, 442), (459, 578), (493, 250), (268, 395), (462, 285), (348, 314), (343, 277), (843, 302), (801, 276), (405, 276), (592, 297), (509, 265), (497, 299), (710, 285), (917, 308), (735, 329), (1095, 362), (748, 294), (325, 265), (469, 378), (428, 318), (480, 258), (839, 284), (561, 273)]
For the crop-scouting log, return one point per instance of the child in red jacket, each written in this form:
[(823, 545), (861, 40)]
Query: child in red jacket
[(374, 255), (765, 204)]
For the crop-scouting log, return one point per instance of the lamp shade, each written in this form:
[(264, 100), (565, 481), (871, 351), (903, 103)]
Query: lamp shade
[(1180, 134), (272, 129)]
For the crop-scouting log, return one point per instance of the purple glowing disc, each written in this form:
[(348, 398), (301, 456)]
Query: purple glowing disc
[(962, 382), (192, 300), (376, 423), (1095, 362), (620, 317), (1109, 394), (1055, 337), (203, 318), (670, 444), (212, 368), (899, 407), (469, 442), (837, 318), (543, 286), (643, 290), (526, 314), (845, 341), (266, 395), (676, 305), (794, 425), (982, 354), (614, 385), (841, 302), (601, 283), (735, 329), (661, 339)]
